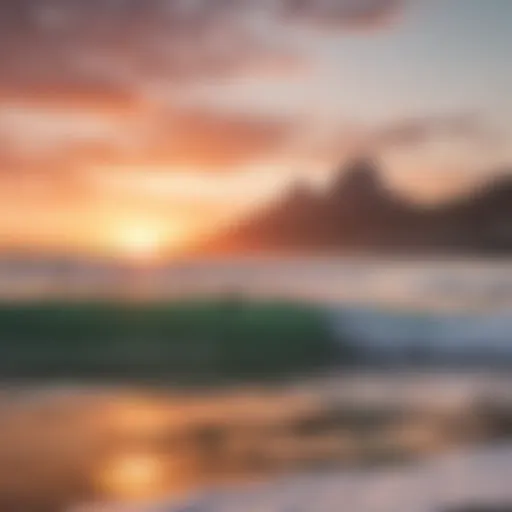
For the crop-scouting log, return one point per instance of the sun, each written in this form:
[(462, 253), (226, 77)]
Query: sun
[(145, 240), (140, 241)]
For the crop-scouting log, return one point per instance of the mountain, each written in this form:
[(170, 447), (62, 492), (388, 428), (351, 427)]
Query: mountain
[(359, 213), (481, 221)]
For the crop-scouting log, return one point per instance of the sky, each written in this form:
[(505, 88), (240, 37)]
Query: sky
[(127, 125)]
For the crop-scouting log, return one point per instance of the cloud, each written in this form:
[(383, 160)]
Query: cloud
[(77, 77), (93, 97), (80, 43), (343, 14), (210, 139), (407, 133), (182, 137), (416, 133), (116, 44)]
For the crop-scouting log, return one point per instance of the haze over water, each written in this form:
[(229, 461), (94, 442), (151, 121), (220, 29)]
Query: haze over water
[(474, 284)]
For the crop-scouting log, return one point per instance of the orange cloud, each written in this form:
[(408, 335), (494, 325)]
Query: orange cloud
[(209, 139), (58, 142), (102, 99), (93, 64)]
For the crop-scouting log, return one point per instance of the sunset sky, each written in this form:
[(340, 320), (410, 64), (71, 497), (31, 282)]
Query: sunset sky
[(131, 124)]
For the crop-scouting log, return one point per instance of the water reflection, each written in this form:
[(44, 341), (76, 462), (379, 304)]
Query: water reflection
[(58, 450), (134, 476)]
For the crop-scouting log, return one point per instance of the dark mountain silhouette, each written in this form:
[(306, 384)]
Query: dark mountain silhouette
[(481, 221), (358, 212)]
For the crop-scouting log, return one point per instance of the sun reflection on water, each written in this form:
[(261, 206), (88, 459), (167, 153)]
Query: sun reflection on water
[(133, 476)]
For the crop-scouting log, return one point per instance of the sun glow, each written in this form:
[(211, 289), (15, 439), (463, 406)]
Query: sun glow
[(147, 241), (140, 241)]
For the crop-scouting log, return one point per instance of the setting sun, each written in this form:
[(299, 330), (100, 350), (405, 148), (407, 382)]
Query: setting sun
[(140, 241), (146, 240)]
